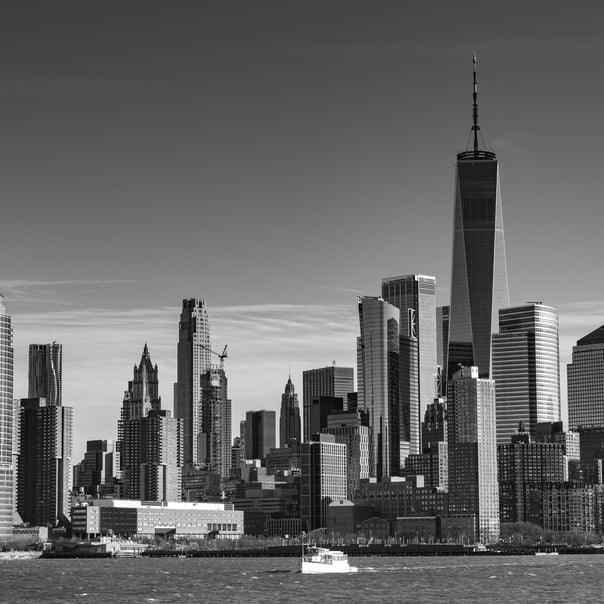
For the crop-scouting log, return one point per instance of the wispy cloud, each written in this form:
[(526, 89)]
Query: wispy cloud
[(101, 346)]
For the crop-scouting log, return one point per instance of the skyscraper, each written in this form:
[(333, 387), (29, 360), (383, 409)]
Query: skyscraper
[(259, 433), (472, 451), (325, 381), (526, 368), (193, 361), (45, 372), (150, 441), (442, 348), (479, 284), (289, 419), (378, 382), (7, 470), (215, 440), (586, 382), (323, 478), (417, 293), (44, 467)]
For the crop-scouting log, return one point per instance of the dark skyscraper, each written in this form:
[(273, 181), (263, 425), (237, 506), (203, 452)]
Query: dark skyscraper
[(259, 433), (325, 381), (479, 284), (44, 467), (289, 420), (193, 361), (45, 372)]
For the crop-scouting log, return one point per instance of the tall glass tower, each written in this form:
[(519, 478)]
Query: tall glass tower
[(479, 283), (526, 368), (7, 473)]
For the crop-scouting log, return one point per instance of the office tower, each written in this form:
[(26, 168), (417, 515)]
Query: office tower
[(479, 284), (289, 420), (45, 372), (586, 382), (150, 441), (378, 382), (348, 429), (94, 474), (215, 449), (322, 479), (236, 458), (325, 381), (321, 407), (418, 293), (259, 433), (409, 388), (442, 348), (7, 469), (193, 361), (44, 470), (473, 487), (526, 368)]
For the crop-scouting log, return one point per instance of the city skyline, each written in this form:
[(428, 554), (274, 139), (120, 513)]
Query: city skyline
[(267, 124)]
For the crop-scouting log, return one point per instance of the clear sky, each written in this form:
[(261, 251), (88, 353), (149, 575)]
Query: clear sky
[(277, 159)]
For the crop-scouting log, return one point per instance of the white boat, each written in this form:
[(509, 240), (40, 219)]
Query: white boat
[(546, 553), (319, 560)]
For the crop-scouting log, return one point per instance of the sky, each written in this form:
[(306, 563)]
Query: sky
[(278, 159)]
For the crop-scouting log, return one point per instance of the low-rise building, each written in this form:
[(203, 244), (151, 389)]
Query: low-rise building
[(127, 517)]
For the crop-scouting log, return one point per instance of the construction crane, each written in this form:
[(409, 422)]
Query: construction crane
[(222, 356)]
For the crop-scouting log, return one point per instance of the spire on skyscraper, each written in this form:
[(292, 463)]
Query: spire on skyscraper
[(476, 152)]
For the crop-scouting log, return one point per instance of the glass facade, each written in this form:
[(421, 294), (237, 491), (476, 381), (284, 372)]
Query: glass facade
[(526, 369), (479, 286), (325, 381), (586, 382), (378, 372), (7, 475), (417, 293)]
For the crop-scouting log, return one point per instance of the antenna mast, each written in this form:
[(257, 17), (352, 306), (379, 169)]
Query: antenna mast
[(475, 126)]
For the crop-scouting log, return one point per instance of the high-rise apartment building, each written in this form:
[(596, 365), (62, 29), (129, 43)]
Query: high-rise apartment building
[(473, 487), (152, 457), (193, 361), (289, 419), (44, 468), (45, 372), (7, 469), (215, 440), (586, 382), (323, 479), (150, 441), (418, 294), (378, 382), (259, 433), (325, 381), (526, 368), (479, 284)]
